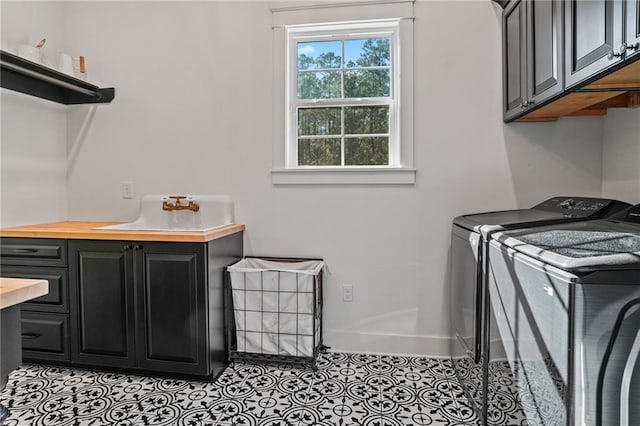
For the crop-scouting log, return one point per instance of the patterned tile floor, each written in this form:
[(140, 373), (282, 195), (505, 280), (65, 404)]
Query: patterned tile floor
[(347, 389)]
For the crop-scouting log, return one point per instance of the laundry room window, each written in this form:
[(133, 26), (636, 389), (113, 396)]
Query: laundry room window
[(342, 84), (343, 94)]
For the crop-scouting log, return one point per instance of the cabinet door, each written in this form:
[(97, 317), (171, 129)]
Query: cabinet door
[(544, 49), (172, 308), (593, 30), (102, 308), (633, 27), (514, 60)]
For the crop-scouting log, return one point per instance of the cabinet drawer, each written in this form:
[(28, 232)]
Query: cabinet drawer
[(57, 300), (33, 251), (45, 336)]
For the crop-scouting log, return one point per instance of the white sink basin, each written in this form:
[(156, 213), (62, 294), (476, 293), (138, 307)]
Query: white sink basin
[(214, 212)]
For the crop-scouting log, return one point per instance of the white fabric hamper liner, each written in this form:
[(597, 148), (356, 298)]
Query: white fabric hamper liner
[(274, 306)]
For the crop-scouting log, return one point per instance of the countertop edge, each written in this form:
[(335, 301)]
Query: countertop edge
[(14, 291), (82, 230)]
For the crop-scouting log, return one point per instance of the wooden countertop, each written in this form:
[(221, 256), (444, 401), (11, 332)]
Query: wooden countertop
[(86, 231), (18, 290)]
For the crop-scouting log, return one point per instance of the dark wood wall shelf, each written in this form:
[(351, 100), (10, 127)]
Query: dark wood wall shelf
[(27, 77)]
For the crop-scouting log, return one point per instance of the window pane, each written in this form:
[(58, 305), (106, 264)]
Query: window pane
[(319, 121), (366, 151), (367, 83), (370, 52), (366, 119), (319, 54), (319, 152), (319, 84)]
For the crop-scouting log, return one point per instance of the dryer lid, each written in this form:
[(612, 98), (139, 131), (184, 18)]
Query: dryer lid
[(553, 210), (509, 219)]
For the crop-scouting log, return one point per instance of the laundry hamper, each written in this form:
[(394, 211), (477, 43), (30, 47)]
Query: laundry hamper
[(275, 310)]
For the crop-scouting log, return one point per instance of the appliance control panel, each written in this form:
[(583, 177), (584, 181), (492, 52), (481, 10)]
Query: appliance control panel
[(633, 214), (576, 206)]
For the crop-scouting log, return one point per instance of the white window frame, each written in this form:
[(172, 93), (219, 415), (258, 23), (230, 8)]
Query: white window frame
[(339, 32), (401, 171)]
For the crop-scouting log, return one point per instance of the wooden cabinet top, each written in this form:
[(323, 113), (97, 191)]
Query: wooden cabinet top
[(87, 231), (18, 290)]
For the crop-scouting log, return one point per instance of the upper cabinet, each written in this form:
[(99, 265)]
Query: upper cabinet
[(595, 33), (632, 39), (571, 57), (514, 63), (532, 39), (21, 75), (544, 56)]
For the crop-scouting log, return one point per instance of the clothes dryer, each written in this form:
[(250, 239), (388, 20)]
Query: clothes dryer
[(566, 300), (467, 275)]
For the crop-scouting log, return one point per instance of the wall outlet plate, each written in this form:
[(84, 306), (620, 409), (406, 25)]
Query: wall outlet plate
[(127, 190), (347, 293)]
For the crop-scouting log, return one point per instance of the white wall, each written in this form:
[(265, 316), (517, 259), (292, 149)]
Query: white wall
[(192, 114), (621, 155), (34, 136)]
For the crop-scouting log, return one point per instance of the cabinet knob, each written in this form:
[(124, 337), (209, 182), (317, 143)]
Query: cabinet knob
[(128, 247), (137, 247), (612, 55), (620, 54), (526, 104), (632, 47)]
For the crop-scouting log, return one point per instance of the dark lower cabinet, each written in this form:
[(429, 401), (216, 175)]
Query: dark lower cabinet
[(150, 306), (154, 307), (44, 320), (102, 284), (172, 300)]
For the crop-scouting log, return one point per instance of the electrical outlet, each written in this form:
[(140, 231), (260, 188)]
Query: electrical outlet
[(127, 190), (347, 293)]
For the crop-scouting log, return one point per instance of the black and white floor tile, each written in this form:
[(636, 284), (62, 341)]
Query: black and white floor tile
[(346, 389)]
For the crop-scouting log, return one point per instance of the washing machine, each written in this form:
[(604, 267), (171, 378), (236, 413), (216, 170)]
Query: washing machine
[(566, 302), (467, 277)]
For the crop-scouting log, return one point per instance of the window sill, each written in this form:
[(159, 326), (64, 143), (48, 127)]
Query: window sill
[(343, 176)]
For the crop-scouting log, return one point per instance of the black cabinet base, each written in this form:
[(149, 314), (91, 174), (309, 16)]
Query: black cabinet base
[(154, 308), (9, 348), (216, 371)]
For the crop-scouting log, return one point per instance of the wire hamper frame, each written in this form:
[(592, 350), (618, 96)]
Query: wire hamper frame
[(237, 344)]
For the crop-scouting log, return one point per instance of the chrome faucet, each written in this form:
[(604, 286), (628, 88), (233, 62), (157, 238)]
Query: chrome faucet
[(177, 204)]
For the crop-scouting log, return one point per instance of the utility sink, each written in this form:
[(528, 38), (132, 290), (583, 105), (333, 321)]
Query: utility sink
[(196, 213)]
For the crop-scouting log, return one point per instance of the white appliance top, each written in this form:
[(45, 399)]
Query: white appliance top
[(591, 245)]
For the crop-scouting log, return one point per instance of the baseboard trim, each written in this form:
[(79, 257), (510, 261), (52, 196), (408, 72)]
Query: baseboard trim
[(388, 344)]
